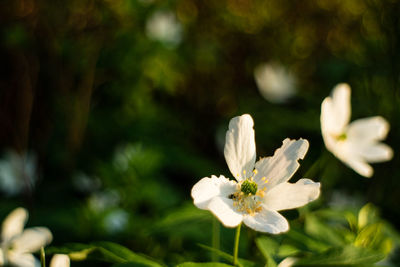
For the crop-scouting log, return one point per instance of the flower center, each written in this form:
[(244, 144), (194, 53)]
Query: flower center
[(249, 187), (342, 137), (247, 197)]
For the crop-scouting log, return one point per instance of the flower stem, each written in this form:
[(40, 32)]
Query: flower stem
[(42, 257), (215, 239), (236, 246)]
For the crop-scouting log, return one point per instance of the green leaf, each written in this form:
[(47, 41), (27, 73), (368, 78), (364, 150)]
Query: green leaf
[(130, 264), (369, 235), (306, 242), (203, 264), (343, 256), (268, 247), (322, 231), (228, 257), (368, 214), (104, 251)]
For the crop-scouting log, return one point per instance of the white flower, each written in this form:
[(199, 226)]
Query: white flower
[(60, 260), (261, 189), (17, 172), (275, 83), (356, 143), (164, 27), (17, 244)]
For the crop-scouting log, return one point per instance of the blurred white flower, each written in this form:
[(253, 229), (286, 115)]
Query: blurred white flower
[(261, 189), (163, 26), (60, 260), (85, 183), (288, 262), (17, 172), (275, 83), (17, 244), (116, 221), (100, 201), (357, 143)]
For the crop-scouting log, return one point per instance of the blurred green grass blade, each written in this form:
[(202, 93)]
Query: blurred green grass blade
[(368, 214), (268, 248), (104, 251), (228, 257), (203, 264), (126, 253), (132, 264), (322, 231), (343, 256), (305, 242)]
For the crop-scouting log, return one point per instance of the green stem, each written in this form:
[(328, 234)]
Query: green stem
[(236, 246), (215, 239), (42, 257)]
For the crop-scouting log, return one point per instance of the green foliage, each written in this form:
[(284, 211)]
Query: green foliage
[(343, 256), (94, 94), (202, 264), (105, 251)]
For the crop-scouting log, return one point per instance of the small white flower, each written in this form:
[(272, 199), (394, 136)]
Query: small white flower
[(17, 172), (261, 189), (60, 260), (17, 244), (357, 143), (163, 26), (275, 83)]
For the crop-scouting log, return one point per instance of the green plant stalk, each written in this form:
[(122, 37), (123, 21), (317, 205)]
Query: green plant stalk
[(215, 239), (236, 245), (42, 257)]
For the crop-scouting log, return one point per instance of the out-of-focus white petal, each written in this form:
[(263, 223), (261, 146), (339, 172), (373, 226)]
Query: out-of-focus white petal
[(267, 221), (341, 104), (14, 223), (336, 110), (1, 257), (368, 129), (289, 196), (275, 82), (163, 26), (208, 188), (288, 262), (283, 164), (32, 239), (360, 166), (376, 153), (22, 260), (240, 147), (223, 209), (60, 260)]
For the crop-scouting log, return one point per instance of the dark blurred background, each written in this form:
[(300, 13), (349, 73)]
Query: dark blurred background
[(114, 109)]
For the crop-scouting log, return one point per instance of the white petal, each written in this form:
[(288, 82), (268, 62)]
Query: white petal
[(240, 147), (60, 260), (360, 166), (32, 239), (288, 262), (1, 257), (14, 224), (223, 209), (267, 221), (368, 129), (377, 153), (280, 167), (23, 260), (336, 110), (208, 188), (289, 196)]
